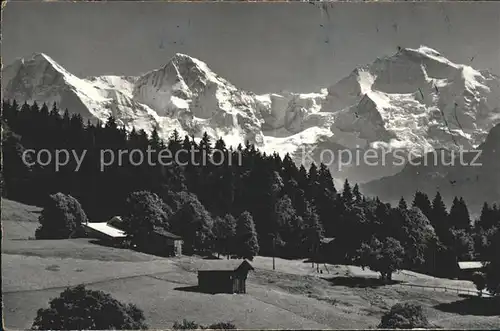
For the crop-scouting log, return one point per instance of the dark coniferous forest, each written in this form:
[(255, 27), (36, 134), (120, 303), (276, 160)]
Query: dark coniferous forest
[(288, 208)]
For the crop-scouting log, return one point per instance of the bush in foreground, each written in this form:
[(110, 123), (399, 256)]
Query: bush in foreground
[(77, 308), (404, 316), (191, 325)]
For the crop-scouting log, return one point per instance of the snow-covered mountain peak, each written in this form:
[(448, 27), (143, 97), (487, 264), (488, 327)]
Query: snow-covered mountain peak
[(427, 51), (194, 73), (44, 58), (186, 63), (36, 67), (188, 90)]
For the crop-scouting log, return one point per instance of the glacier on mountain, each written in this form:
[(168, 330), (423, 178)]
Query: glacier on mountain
[(414, 99)]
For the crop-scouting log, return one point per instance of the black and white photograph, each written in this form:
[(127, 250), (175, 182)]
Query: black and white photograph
[(250, 165)]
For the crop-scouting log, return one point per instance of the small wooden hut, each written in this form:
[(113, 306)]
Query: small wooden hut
[(468, 268), (224, 276)]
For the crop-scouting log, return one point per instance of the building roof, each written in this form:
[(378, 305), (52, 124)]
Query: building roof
[(471, 265), (327, 240), (167, 234), (224, 265), (107, 229)]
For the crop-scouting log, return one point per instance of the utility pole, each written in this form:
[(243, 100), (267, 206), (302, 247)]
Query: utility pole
[(274, 252)]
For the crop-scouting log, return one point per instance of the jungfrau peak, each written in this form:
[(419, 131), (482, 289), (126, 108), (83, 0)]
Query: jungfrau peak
[(414, 99)]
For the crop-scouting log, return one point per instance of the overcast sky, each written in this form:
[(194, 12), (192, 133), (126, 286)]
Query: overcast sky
[(262, 47)]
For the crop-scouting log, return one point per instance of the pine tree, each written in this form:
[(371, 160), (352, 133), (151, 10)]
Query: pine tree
[(206, 145), (421, 201), (155, 141), (402, 204), (175, 142), (302, 178), (313, 231), (347, 195), (440, 219), (326, 179), (357, 194), (459, 215), (313, 186), (290, 171), (487, 220)]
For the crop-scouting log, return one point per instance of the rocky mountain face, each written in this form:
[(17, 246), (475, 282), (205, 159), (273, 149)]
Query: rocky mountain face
[(413, 101), (474, 175)]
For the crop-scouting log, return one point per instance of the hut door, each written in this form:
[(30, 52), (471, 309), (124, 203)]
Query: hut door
[(236, 284)]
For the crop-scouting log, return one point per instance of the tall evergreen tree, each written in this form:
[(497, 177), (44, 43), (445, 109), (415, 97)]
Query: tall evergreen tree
[(326, 179), (422, 202), (313, 230), (440, 219), (402, 204), (357, 194), (488, 218), (459, 215), (347, 194)]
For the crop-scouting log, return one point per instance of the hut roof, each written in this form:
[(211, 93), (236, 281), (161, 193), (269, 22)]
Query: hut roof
[(225, 265), (327, 240), (166, 234), (105, 228), (116, 222), (470, 265)]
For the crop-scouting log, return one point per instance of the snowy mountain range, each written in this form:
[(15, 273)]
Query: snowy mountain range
[(415, 99)]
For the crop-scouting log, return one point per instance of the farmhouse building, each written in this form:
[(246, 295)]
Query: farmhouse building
[(163, 243), (467, 268), (224, 276), (324, 250), (105, 231)]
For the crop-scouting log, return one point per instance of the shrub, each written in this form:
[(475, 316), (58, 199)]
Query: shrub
[(77, 308), (61, 218), (186, 325), (222, 326), (404, 316), (191, 325)]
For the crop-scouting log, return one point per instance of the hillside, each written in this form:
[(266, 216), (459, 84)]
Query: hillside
[(293, 296), (19, 221)]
